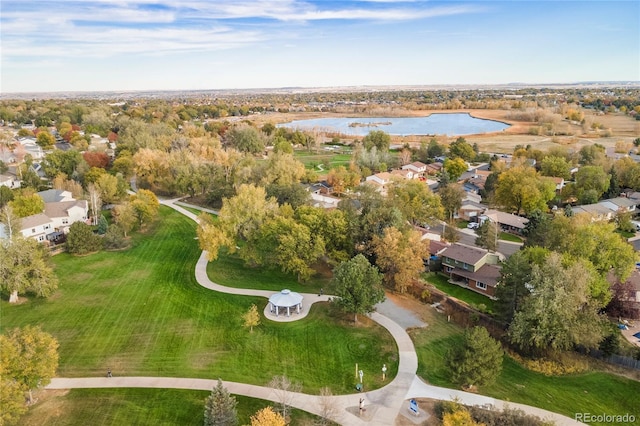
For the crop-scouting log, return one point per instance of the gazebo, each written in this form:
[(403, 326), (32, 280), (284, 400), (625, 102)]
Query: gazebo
[(285, 299)]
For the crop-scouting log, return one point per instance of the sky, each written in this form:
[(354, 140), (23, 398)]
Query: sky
[(118, 45)]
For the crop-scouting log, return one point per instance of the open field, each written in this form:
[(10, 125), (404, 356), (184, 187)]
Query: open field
[(141, 313), (594, 392), (135, 406)]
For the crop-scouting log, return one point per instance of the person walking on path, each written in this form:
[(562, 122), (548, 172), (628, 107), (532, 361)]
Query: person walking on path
[(361, 406)]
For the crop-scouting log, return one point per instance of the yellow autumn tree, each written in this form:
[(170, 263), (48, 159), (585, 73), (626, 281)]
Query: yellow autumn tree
[(267, 417), (251, 318)]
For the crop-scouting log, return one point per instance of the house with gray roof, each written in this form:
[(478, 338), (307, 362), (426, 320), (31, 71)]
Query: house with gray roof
[(472, 267)]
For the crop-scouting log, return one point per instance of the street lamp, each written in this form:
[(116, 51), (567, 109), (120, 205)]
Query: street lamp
[(384, 371), (360, 373)]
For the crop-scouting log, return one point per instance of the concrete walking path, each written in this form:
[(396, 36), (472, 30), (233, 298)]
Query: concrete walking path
[(382, 405)]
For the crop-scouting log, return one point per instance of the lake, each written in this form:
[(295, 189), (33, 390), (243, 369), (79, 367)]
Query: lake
[(436, 124)]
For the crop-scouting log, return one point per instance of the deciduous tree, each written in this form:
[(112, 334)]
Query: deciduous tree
[(451, 197), (381, 140), (400, 257), (416, 201), (125, 216), (24, 267), (36, 357), (521, 190), (26, 204), (251, 318), (455, 168), (246, 138), (267, 417), (358, 286), (560, 312), (460, 148)]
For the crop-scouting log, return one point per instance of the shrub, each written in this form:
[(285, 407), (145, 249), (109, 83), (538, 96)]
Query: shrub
[(82, 240), (564, 363), (114, 238)]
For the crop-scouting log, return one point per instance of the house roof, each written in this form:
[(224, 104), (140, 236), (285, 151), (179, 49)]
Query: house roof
[(465, 254), (404, 173), (55, 195), (507, 218), (487, 274), (61, 209), (435, 247), (35, 220), (415, 165), (622, 202), (594, 209), (471, 205)]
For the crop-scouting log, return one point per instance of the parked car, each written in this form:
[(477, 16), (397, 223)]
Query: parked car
[(473, 225)]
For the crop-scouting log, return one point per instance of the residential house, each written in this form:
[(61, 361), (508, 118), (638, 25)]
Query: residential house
[(65, 213), (404, 174), (434, 262), (418, 168), (471, 267), (433, 168), (379, 181), (9, 181), (508, 222), (322, 187), (324, 201), (36, 226), (596, 211), (56, 219), (559, 183), (469, 210), (607, 209)]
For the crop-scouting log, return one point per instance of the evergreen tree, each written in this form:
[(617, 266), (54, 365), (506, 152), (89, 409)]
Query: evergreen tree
[(82, 240), (487, 236), (220, 408), (614, 186), (478, 361), (103, 225)]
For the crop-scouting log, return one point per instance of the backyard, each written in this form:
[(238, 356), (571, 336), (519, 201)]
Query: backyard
[(471, 297)]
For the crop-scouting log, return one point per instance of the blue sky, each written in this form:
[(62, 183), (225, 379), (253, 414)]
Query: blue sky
[(82, 45)]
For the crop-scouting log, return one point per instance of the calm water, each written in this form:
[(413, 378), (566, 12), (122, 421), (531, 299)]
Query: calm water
[(435, 124)]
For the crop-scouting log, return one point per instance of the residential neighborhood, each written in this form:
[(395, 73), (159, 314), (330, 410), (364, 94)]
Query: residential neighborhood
[(260, 260)]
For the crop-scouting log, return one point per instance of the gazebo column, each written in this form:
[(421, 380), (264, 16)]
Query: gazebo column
[(277, 310), (288, 311), (298, 307)]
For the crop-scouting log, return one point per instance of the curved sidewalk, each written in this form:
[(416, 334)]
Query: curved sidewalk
[(382, 405)]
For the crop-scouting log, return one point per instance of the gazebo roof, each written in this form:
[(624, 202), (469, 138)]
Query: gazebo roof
[(286, 298)]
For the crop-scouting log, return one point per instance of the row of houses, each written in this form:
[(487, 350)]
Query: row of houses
[(61, 210)]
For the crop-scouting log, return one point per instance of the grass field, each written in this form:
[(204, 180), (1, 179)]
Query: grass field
[(471, 297), (230, 270), (156, 407), (140, 312), (326, 159), (594, 392)]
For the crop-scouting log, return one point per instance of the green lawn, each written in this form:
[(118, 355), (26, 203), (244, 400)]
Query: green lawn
[(593, 392), (230, 270), (136, 406), (510, 237), (140, 312), (466, 295), (312, 159)]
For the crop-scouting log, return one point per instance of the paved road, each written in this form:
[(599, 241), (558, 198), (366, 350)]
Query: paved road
[(382, 405)]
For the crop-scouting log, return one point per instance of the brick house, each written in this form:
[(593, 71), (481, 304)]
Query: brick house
[(471, 267)]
